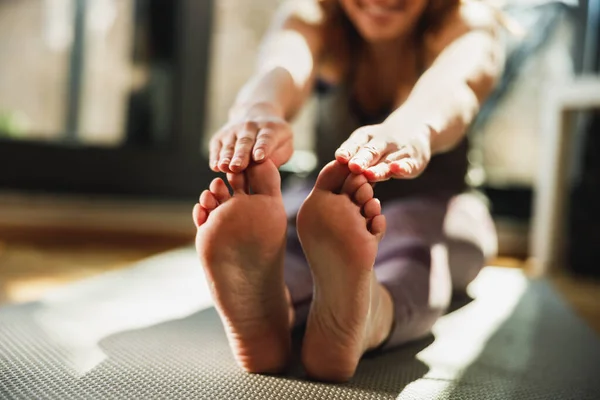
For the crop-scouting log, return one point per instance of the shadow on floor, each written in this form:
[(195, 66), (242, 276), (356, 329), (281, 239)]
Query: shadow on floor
[(178, 358), (192, 354)]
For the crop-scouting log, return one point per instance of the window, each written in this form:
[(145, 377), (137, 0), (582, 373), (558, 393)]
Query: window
[(104, 96)]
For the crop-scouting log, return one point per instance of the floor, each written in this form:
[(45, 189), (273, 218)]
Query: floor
[(31, 264)]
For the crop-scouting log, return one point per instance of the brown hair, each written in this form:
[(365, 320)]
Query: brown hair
[(343, 39)]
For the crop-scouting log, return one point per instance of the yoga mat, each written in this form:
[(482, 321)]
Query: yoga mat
[(149, 332)]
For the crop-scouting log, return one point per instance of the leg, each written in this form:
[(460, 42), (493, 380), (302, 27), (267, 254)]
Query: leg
[(241, 244), (340, 225), (432, 246), (471, 238)]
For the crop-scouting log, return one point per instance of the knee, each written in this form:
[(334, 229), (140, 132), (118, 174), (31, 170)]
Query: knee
[(414, 324), (418, 307), (466, 261)]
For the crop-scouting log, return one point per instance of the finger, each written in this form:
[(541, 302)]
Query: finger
[(405, 168), (378, 172), (368, 155), (350, 147), (243, 147), (265, 142), (213, 153), (226, 153)]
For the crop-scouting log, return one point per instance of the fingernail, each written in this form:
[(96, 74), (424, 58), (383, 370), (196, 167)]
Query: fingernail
[(225, 161), (236, 162), (344, 153), (259, 155), (405, 166)]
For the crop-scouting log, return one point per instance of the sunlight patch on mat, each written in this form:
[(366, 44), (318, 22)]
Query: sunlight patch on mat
[(461, 336)]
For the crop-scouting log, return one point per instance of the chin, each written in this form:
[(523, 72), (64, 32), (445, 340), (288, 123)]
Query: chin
[(378, 34), (383, 23)]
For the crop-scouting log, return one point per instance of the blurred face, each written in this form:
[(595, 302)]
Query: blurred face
[(383, 20)]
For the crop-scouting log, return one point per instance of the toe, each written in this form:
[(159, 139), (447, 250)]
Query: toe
[(264, 178), (332, 177), (199, 215), (377, 226), (208, 201), (219, 190), (238, 182), (353, 183), (372, 208), (363, 194)]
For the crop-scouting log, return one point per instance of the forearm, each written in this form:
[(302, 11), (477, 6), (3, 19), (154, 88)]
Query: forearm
[(445, 108), (449, 95), (286, 66), (273, 90), (258, 126)]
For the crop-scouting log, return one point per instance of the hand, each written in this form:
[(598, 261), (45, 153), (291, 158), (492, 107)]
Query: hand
[(261, 133), (380, 152)]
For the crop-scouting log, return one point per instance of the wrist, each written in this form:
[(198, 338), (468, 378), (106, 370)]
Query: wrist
[(256, 109)]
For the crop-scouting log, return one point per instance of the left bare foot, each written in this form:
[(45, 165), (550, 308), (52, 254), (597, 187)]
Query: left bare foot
[(340, 225)]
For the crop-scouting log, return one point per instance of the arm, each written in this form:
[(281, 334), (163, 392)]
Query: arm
[(449, 94), (281, 83), (441, 106)]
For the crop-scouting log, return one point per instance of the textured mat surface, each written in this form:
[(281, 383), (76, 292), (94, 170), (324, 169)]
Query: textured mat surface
[(150, 332)]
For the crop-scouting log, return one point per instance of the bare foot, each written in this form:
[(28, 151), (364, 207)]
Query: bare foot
[(340, 225), (241, 244)]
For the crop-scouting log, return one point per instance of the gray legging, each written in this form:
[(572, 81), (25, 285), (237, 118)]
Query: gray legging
[(433, 245)]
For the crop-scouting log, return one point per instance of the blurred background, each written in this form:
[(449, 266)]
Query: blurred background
[(106, 107)]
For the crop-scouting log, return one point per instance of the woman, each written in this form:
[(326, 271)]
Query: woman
[(399, 82)]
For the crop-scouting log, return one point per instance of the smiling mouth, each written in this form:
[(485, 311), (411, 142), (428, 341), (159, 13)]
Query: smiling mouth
[(380, 11)]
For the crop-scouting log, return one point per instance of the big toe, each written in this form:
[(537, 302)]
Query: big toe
[(238, 182), (332, 177), (264, 178)]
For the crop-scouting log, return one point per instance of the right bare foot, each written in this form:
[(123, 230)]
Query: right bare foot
[(340, 225), (241, 244)]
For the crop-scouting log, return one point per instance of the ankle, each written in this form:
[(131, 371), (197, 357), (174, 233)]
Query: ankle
[(382, 317)]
